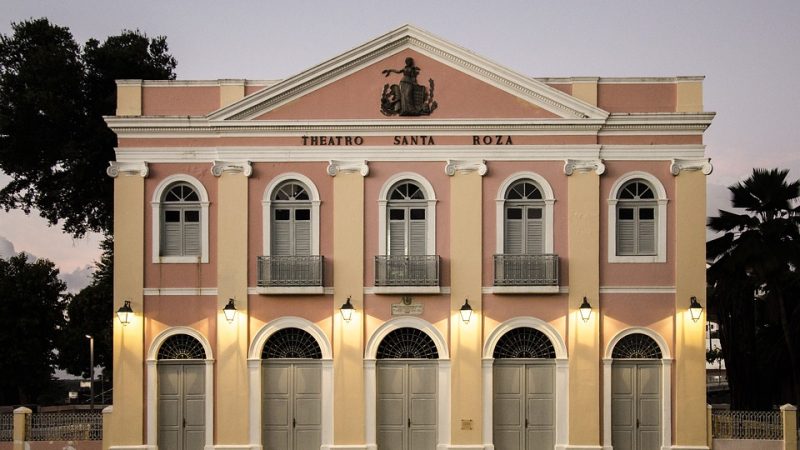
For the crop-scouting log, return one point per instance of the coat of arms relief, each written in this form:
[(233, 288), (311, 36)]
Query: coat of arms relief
[(408, 98)]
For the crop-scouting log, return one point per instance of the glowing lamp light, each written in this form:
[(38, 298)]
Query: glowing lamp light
[(585, 310), (466, 311), (347, 310), (124, 313), (695, 309), (230, 311)]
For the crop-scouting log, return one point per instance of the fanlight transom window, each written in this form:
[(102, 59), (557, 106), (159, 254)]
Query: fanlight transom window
[(524, 342), (291, 343), (636, 346), (636, 219), (407, 220), (407, 343), (181, 346), (524, 190), (180, 221), (291, 220), (290, 191), (524, 219)]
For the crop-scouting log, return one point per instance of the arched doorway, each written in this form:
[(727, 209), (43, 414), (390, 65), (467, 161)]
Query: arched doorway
[(637, 393), (181, 397), (524, 391), (291, 389), (407, 388)]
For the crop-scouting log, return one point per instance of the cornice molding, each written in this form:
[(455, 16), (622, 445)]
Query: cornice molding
[(232, 167), (584, 165), (336, 167), (679, 165), (116, 168), (465, 166)]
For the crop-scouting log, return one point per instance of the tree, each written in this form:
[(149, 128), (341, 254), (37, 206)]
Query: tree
[(31, 318), (53, 141), (754, 277)]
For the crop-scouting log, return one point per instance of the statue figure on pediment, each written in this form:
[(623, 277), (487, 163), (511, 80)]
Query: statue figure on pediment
[(408, 98)]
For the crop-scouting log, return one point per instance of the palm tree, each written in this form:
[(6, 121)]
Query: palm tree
[(762, 247)]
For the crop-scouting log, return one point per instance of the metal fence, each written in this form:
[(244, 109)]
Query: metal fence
[(290, 270), (71, 426), (526, 270), (411, 270), (6, 427), (747, 425)]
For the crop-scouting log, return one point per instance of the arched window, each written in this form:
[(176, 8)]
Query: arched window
[(636, 346), (291, 343), (407, 342), (524, 342), (636, 219), (180, 221), (291, 220), (407, 220), (181, 346), (524, 222)]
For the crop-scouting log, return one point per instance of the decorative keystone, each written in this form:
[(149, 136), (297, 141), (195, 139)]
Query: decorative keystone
[(340, 166), (679, 165), (584, 165), (116, 168), (454, 166), (220, 167)]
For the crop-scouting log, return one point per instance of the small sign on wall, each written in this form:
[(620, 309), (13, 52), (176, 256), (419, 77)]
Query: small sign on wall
[(407, 308)]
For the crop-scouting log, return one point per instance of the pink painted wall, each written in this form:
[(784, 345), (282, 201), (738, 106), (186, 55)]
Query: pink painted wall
[(7, 446), (651, 140), (621, 311), (379, 173), (499, 171), (549, 308), (644, 97), (179, 100), (458, 95), (165, 311), (319, 309), (192, 275), (263, 174)]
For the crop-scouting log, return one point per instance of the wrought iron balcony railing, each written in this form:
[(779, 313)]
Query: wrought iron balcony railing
[(526, 270), (412, 270), (289, 271)]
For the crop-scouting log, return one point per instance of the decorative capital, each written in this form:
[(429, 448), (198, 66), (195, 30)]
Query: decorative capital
[(454, 166), (584, 165), (679, 165), (220, 167), (341, 166), (116, 168)]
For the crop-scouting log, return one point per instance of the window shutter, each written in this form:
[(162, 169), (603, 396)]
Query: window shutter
[(417, 237), (191, 239), (302, 238), (281, 238), (513, 237), (534, 238), (397, 237), (626, 242), (647, 237), (172, 239)]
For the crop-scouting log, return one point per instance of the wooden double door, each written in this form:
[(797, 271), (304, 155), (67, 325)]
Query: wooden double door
[(291, 404), (636, 405), (407, 405), (524, 404), (181, 405)]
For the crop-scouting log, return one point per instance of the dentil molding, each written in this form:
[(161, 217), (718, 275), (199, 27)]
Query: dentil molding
[(116, 168), (243, 167), (584, 165), (679, 165), (454, 166), (343, 166)]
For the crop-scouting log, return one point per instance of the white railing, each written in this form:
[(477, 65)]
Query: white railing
[(71, 426), (747, 425), (6, 427)]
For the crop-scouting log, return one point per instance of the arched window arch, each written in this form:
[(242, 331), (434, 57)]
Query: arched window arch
[(525, 189), (291, 343), (181, 346), (180, 221), (636, 346), (407, 342), (524, 342), (290, 213), (407, 220), (637, 219), (523, 219), (406, 191)]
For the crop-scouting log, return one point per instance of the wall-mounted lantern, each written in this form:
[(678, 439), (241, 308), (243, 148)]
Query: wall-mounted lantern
[(124, 313), (695, 308), (347, 310), (230, 311), (466, 311), (585, 310)]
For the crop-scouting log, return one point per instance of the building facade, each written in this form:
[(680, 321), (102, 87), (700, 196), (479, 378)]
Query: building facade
[(297, 256)]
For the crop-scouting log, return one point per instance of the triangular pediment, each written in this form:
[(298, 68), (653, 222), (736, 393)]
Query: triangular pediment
[(352, 85)]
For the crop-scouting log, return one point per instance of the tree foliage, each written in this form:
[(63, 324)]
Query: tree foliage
[(31, 317), (53, 141), (754, 289)]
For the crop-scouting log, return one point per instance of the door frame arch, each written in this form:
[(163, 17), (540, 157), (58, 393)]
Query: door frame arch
[(562, 377), (666, 385), (152, 384), (254, 375), (371, 381)]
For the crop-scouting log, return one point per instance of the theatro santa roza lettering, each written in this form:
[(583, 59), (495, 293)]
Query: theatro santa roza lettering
[(401, 140)]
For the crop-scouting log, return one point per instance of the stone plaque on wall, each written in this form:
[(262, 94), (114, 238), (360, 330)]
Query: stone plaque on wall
[(407, 308)]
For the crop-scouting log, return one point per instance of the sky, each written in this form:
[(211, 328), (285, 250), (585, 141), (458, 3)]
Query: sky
[(749, 52)]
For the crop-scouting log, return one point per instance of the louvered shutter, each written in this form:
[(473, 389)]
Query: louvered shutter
[(281, 236), (172, 239), (417, 237), (647, 236), (191, 239), (626, 236), (397, 237), (534, 234), (513, 234), (302, 238)]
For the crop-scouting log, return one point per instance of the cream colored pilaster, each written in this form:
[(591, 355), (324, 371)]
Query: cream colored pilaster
[(349, 422), (129, 97), (128, 354), (230, 376), (689, 94), (585, 88), (583, 345), (466, 188), (690, 280), (230, 91)]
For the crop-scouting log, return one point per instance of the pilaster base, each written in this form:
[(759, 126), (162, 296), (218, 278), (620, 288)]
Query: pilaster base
[(345, 447)]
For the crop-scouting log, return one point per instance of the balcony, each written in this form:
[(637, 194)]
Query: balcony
[(290, 275), (526, 274), (413, 274)]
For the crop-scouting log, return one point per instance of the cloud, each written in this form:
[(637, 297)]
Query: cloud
[(75, 280)]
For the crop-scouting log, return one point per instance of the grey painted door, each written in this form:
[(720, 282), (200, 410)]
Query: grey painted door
[(292, 407), (524, 405), (406, 405), (181, 406), (636, 405)]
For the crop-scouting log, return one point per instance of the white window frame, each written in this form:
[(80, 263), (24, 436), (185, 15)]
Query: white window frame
[(266, 203), (156, 205), (500, 202), (661, 220), (430, 202)]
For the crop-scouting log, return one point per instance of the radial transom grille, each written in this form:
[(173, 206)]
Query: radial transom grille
[(181, 346), (636, 346), (407, 343), (291, 343), (524, 342)]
